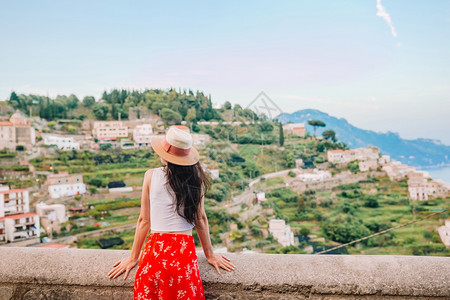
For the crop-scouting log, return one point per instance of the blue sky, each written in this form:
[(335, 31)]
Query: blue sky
[(336, 56)]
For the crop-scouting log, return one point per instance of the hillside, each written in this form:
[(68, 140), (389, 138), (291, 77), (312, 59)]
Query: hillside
[(418, 152)]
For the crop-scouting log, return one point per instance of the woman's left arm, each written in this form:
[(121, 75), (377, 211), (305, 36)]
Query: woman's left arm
[(142, 228)]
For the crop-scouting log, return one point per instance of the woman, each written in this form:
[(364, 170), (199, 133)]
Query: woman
[(172, 204)]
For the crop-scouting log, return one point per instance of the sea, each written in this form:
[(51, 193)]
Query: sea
[(442, 173)]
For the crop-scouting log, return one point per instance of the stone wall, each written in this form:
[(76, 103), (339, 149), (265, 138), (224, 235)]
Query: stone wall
[(39, 273)]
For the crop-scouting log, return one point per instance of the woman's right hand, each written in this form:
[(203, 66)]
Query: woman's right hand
[(218, 260)]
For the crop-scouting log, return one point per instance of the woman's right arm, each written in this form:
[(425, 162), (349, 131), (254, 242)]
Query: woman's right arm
[(202, 228)]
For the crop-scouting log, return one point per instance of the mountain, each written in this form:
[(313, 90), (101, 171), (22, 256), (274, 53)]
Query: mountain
[(419, 152)]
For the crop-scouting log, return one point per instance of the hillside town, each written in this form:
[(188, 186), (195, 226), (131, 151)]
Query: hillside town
[(53, 191)]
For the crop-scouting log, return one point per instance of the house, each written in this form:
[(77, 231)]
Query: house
[(214, 173), (15, 201), (21, 226), (65, 184), (260, 197), (61, 142), (367, 153), (16, 220), (418, 192), (396, 170), (314, 175), (341, 156), (369, 164), (384, 159), (297, 129), (422, 187), (281, 232), (16, 131), (51, 216), (143, 135), (109, 130)]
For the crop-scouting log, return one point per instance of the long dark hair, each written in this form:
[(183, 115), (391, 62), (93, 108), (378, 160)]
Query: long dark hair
[(189, 184)]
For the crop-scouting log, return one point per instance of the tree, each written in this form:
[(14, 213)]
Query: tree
[(329, 135), (280, 126), (88, 101), (371, 201), (101, 111), (170, 116), (227, 105), (315, 124), (304, 232), (191, 115), (13, 97)]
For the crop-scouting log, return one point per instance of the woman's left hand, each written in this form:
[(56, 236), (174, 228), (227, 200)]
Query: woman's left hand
[(123, 265)]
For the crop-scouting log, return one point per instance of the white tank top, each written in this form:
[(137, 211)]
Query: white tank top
[(163, 214)]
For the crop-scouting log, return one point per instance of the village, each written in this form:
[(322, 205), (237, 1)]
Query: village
[(47, 204)]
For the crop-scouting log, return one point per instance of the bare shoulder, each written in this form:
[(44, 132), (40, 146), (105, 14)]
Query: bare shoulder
[(148, 174)]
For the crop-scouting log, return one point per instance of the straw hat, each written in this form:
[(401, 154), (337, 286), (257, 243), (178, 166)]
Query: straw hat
[(176, 147)]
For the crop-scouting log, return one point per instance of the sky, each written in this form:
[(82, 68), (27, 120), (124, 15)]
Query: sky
[(383, 65)]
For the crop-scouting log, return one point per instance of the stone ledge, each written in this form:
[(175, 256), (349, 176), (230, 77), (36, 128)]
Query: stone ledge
[(31, 273)]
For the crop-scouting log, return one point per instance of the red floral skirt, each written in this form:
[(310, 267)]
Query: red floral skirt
[(168, 269)]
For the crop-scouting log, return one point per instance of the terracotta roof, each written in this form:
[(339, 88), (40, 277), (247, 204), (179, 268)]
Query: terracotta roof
[(12, 191), (181, 126), (336, 151), (6, 123), (54, 246), (20, 216)]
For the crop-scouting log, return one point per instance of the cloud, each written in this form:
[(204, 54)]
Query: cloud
[(381, 12)]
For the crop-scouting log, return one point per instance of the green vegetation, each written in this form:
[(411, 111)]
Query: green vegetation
[(349, 212)]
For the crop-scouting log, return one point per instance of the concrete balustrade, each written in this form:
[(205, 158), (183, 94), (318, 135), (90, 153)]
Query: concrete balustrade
[(39, 273)]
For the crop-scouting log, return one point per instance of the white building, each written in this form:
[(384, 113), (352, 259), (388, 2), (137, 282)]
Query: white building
[(422, 187), (281, 232), (315, 175), (56, 212), (15, 201), (16, 222), (61, 142), (51, 216), (261, 196), (21, 226), (369, 164), (384, 159), (444, 233), (341, 156), (64, 184), (418, 192), (396, 170), (143, 135), (214, 173), (109, 130), (367, 153), (362, 154)]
